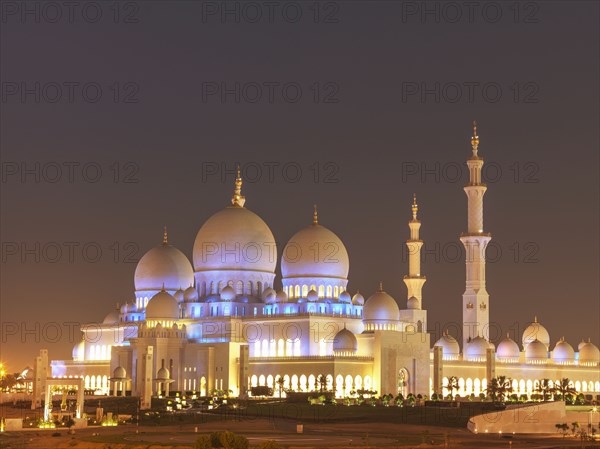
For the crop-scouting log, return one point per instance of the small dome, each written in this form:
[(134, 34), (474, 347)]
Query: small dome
[(190, 294), (79, 351), (345, 297), (450, 347), (508, 349), (119, 373), (563, 352), (312, 295), (358, 299), (111, 318), (581, 344), (269, 295), (163, 265), (589, 353), (535, 331), (281, 296), (536, 350), (345, 341), (412, 303), (477, 348), (381, 307), (227, 293), (179, 295), (162, 306), (163, 374)]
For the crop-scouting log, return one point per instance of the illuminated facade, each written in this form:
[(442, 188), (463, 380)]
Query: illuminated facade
[(221, 325)]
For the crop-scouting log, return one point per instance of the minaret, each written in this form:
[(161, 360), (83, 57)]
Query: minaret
[(476, 309), (414, 281), (414, 318)]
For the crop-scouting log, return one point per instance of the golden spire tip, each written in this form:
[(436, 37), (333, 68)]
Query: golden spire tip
[(165, 236), (315, 215), (380, 286), (415, 206), (475, 139), (237, 199)]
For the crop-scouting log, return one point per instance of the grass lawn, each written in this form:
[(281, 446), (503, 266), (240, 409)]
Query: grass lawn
[(431, 416)]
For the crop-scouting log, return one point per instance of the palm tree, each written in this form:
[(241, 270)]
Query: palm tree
[(280, 383), (322, 383), (564, 387), (544, 387), (499, 388), (452, 386)]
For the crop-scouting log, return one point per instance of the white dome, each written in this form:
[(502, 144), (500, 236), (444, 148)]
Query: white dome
[(345, 297), (563, 352), (179, 295), (315, 251), (450, 347), (281, 296), (312, 295), (508, 349), (358, 299), (227, 293), (345, 341), (477, 348), (412, 303), (111, 317), (163, 374), (190, 294), (119, 373), (269, 295), (163, 265), (535, 331), (162, 306), (589, 353), (381, 307), (536, 350), (79, 351), (235, 238)]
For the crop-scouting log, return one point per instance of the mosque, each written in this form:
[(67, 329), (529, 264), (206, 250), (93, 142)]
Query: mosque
[(219, 324)]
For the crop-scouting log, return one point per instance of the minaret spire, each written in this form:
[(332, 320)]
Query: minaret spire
[(165, 236), (315, 215), (415, 206), (475, 241), (237, 199), (475, 139)]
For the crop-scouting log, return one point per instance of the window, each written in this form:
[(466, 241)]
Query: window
[(329, 291), (321, 291)]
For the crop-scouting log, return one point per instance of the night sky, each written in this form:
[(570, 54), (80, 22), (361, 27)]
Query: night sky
[(362, 103)]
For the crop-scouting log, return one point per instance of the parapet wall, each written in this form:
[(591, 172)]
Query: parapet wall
[(528, 418)]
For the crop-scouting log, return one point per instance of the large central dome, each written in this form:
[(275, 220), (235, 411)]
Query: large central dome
[(235, 239), (234, 248)]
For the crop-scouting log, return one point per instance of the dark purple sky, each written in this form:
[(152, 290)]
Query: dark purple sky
[(530, 78)]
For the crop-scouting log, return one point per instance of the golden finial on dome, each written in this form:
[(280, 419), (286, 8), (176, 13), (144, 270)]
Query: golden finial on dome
[(475, 139), (415, 206), (380, 286), (315, 215), (165, 236), (163, 287), (237, 199), (535, 319)]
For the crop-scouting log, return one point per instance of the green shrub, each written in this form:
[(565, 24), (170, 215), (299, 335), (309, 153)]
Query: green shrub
[(203, 442)]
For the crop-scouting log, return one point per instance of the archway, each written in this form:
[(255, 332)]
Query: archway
[(403, 382)]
